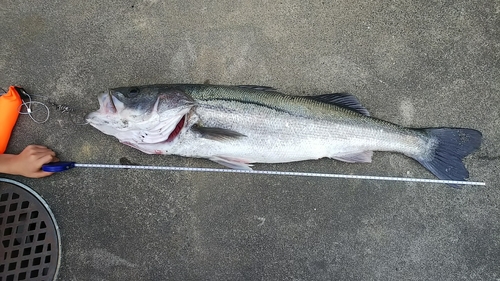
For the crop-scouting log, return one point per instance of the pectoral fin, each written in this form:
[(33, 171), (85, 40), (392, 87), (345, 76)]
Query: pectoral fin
[(233, 163), (219, 134)]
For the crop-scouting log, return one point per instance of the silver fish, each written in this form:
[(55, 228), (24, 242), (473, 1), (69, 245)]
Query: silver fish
[(239, 125)]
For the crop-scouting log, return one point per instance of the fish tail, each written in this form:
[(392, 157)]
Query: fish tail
[(450, 146)]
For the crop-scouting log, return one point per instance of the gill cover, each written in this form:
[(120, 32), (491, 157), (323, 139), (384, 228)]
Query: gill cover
[(140, 115)]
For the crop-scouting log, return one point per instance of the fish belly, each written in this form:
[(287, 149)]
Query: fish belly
[(275, 137)]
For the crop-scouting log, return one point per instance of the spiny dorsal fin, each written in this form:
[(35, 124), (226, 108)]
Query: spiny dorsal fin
[(258, 88), (343, 100), (214, 133)]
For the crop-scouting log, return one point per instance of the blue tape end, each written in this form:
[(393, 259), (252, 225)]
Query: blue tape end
[(55, 167)]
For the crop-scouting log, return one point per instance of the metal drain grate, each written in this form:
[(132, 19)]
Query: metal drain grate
[(29, 236)]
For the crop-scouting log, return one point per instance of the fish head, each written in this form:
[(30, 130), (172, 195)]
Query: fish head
[(145, 114)]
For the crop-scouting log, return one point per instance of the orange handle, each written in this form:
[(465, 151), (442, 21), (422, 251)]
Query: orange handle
[(9, 111)]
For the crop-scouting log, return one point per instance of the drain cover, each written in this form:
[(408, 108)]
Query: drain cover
[(29, 236)]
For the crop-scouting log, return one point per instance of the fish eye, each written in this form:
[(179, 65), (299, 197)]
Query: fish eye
[(133, 93)]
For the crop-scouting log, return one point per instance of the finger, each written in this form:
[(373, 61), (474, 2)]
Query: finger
[(51, 153), (41, 174), (36, 146), (46, 159), (41, 154), (41, 149)]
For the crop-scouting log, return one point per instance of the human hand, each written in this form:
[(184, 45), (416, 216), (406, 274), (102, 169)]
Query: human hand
[(29, 162)]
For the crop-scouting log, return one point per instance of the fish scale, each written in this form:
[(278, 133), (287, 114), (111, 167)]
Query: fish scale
[(239, 125)]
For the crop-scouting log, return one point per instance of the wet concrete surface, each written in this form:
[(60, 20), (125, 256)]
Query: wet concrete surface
[(416, 63)]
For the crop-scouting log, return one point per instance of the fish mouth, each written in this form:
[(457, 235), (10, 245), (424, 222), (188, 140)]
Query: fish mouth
[(106, 103), (106, 107)]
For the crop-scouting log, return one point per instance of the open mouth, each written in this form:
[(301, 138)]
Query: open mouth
[(177, 129), (106, 103)]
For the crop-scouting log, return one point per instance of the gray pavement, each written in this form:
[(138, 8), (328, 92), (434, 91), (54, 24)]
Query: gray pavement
[(417, 63)]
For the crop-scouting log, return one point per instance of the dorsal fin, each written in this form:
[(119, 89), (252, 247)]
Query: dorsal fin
[(346, 101), (258, 88)]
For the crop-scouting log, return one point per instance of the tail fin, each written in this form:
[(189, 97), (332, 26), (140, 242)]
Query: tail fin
[(452, 145)]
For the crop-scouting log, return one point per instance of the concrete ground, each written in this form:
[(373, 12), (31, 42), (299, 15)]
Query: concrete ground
[(417, 63)]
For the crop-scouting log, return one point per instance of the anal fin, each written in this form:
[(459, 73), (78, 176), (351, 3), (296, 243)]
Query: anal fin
[(233, 163), (358, 157)]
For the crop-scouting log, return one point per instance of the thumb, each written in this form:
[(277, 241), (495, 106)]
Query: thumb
[(41, 174)]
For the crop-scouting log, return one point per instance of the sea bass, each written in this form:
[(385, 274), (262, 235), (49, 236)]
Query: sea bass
[(239, 125)]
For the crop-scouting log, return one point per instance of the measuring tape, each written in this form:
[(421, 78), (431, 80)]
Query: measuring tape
[(63, 166)]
